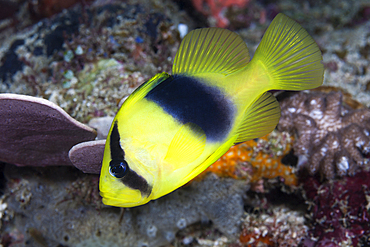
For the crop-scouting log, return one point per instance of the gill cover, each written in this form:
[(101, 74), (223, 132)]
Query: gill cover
[(121, 183), (129, 186)]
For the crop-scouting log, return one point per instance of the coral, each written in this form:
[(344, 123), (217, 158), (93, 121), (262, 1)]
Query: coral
[(201, 233), (20, 189), (36, 132), (339, 210), (256, 13), (47, 8), (347, 97), (86, 190), (280, 227), (323, 16), (88, 156), (257, 159), (8, 9), (346, 56), (136, 50), (5, 213), (332, 139), (217, 8), (86, 59)]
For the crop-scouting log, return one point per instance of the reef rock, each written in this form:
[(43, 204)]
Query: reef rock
[(62, 207)]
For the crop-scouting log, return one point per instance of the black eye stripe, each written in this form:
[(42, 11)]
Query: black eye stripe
[(116, 151), (136, 182), (131, 178)]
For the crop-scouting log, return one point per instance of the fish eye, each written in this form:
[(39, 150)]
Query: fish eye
[(118, 168)]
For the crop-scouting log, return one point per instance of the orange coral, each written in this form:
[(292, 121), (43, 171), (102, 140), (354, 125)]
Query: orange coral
[(257, 159), (252, 239), (278, 226), (216, 9)]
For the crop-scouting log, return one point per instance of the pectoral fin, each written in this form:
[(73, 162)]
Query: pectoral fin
[(260, 118), (186, 146), (209, 161)]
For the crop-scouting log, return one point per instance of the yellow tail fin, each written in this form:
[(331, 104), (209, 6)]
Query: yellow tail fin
[(290, 55)]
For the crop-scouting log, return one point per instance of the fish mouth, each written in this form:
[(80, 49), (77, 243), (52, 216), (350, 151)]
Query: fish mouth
[(131, 199), (129, 193), (136, 182)]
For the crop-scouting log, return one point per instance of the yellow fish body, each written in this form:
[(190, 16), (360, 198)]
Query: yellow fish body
[(174, 126)]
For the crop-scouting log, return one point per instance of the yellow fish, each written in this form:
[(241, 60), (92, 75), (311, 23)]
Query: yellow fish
[(173, 127)]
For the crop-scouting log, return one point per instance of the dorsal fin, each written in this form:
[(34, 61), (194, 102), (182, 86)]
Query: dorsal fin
[(145, 88), (260, 119), (214, 50)]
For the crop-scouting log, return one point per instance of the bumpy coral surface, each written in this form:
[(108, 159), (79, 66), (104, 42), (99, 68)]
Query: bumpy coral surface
[(278, 228), (257, 159), (332, 139)]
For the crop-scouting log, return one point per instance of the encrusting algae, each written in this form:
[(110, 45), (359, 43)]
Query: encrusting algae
[(257, 159)]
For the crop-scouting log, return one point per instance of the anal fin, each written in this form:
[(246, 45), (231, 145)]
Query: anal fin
[(259, 119), (221, 150)]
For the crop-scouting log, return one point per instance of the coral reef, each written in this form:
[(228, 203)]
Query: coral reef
[(324, 17), (280, 227), (86, 59), (27, 141), (47, 8), (88, 156), (257, 159), (347, 58), (339, 211), (216, 9), (332, 139)]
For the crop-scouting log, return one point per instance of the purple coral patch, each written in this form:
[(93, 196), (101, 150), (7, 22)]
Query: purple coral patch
[(339, 209), (36, 132)]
